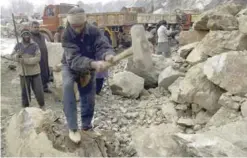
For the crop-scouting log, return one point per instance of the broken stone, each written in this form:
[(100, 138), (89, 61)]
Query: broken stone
[(182, 107), (225, 22), (228, 140), (203, 117), (127, 84), (195, 108), (187, 37), (35, 133), (229, 102), (185, 122), (189, 131), (169, 111), (185, 50), (243, 24), (197, 127), (223, 116), (156, 141), (244, 109), (217, 42), (228, 70), (150, 77), (219, 18), (196, 88), (174, 89), (168, 76)]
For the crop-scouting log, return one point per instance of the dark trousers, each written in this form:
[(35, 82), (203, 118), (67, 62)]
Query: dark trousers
[(99, 85), (36, 83)]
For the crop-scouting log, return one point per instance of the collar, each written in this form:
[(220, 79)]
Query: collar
[(31, 42)]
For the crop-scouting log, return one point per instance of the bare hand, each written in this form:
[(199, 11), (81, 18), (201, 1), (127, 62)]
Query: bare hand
[(109, 58), (99, 66)]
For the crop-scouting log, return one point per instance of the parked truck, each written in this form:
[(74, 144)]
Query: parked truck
[(117, 24)]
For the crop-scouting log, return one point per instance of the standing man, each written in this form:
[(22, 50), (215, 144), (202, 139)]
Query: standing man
[(83, 44), (58, 35), (27, 54), (40, 40)]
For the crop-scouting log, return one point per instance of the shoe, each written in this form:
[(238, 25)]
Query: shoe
[(75, 136), (91, 133)]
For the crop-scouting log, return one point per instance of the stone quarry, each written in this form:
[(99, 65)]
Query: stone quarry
[(191, 104)]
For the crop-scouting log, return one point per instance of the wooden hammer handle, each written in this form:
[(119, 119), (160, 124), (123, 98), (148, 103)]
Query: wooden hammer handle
[(125, 54)]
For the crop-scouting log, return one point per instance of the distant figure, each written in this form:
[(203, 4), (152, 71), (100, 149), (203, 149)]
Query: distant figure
[(163, 41), (58, 35), (40, 40)]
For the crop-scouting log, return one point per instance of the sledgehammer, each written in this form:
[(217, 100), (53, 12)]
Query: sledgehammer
[(140, 49)]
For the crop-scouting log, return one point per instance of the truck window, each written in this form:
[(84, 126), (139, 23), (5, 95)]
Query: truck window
[(50, 11)]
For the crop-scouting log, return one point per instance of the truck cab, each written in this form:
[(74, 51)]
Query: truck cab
[(51, 19)]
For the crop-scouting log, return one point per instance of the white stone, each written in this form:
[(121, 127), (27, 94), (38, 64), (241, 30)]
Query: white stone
[(127, 84), (228, 70), (168, 76), (185, 50)]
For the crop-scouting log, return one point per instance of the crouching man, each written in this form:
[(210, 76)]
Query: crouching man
[(27, 54), (83, 44)]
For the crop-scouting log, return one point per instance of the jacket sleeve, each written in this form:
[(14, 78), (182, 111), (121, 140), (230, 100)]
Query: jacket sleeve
[(14, 54), (33, 60), (73, 58), (102, 46)]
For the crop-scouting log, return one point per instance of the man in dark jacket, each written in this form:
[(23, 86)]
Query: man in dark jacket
[(40, 40), (83, 44)]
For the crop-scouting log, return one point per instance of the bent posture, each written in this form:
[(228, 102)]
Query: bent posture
[(27, 54), (83, 44)]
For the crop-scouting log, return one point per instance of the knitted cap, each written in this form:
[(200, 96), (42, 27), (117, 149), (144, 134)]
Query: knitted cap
[(25, 31)]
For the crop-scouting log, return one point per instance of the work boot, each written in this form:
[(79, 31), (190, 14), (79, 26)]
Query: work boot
[(91, 133), (75, 136)]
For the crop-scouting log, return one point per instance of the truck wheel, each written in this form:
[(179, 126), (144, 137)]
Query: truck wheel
[(47, 37)]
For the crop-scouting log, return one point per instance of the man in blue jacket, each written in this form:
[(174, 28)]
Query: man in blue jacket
[(83, 44)]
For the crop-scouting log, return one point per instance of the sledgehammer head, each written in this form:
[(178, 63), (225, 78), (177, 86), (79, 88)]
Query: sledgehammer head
[(142, 52)]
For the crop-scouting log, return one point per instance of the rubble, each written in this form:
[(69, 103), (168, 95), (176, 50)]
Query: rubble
[(217, 142), (231, 64), (186, 122), (195, 88)]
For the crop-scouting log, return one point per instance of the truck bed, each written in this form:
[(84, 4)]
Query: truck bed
[(143, 18)]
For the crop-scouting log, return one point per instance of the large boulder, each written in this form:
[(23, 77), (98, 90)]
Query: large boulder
[(55, 53), (156, 141), (244, 109), (223, 116), (187, 37), (217, 42), (219, 18), (228, 70), (185, 50), (150, 77), (242, 20), (127, 84), (34, 133), (196, 88), (225, 141), (168, 76)]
